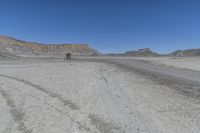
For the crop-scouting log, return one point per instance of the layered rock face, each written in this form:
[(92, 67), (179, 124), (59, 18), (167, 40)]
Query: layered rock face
[(16, 47)]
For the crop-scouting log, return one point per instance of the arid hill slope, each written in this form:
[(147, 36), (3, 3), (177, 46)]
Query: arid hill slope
[(12, 46)]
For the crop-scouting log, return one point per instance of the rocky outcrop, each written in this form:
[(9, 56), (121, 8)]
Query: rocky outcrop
[(16, 47), (141, 52), (146, 52), (188, 52)]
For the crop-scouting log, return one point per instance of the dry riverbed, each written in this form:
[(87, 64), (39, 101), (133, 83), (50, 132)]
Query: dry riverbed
[(88, 97)]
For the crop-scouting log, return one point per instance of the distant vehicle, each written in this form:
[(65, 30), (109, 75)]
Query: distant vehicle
[(68, 56)]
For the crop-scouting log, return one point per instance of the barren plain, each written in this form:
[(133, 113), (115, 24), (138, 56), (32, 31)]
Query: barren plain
[(192, 63), (90, 97)]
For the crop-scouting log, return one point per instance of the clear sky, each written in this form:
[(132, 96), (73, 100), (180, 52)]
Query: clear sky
[(106, 25)]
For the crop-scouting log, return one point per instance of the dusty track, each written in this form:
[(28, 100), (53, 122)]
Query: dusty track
[(183, 80)]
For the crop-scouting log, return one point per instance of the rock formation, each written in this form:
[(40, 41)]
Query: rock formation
[(11, 46), (188, 52)]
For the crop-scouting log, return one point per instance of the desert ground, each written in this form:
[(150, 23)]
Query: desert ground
[(100, 97), (192, 63)]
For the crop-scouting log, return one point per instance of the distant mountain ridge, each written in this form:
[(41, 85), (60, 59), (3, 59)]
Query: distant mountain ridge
[(187, 52), (15, 47), (141, 52), (146, 52)]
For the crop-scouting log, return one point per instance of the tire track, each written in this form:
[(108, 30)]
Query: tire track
[(65, 102), (16, 112), (99, 124), (103, 126)]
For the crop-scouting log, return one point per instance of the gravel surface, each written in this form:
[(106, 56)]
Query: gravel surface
[(91, 97), (192, 63)]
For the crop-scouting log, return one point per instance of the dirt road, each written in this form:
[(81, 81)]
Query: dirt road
[(184, 80), (91, 97)]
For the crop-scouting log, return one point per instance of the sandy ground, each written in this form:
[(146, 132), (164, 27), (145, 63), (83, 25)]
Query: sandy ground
[(86, 97), (192, 63)]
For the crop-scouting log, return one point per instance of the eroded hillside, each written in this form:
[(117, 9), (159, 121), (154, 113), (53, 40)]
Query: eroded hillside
[(12, 46)]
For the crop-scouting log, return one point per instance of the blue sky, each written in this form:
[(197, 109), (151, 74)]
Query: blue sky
[(106, 25)]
